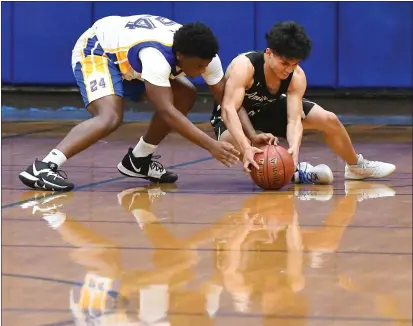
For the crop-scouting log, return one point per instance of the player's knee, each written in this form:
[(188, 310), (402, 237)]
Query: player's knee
[(226, 136), (331, 121), (110, 121)]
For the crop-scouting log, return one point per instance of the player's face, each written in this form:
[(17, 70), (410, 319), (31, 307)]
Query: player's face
[(192, 66), (281, 66)]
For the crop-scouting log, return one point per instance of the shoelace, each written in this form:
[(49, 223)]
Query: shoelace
[(367, 163), (307, 177), (56, 173), (155, 164)]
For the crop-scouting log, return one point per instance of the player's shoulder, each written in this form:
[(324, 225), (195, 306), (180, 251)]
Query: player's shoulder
[(242, 65), (298, 76), (298, 80), (299, 72)]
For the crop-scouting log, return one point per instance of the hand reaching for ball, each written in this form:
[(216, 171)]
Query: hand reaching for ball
[(249, 158), (264, 139)]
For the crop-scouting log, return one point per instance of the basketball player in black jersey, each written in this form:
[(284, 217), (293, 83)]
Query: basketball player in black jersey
[(264, 97)]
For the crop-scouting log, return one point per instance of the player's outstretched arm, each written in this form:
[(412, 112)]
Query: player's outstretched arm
[(155, 73), (295, 95), (162, 99), (214, 77), (239, 75)]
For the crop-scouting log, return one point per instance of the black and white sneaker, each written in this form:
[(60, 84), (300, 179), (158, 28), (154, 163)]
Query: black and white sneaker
[(145, 168), (41, 175)]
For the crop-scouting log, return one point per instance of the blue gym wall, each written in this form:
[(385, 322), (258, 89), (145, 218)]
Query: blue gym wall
[(356, 44)]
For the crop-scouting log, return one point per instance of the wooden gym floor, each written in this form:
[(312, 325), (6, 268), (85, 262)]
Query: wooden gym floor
[(211, 250)]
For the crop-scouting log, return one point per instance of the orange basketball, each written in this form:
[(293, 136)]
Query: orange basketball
[(276, 168)]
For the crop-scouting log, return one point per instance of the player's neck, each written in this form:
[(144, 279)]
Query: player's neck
[(270, 77)]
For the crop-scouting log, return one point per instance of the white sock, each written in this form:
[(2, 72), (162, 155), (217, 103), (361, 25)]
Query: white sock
[(55, 156), (143, 149)]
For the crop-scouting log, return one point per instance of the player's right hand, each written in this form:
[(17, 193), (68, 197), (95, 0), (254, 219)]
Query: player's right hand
[(248, 158), (224, 152), (264, 139)]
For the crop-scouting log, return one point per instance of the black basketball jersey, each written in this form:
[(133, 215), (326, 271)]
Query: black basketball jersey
[(257, 97)]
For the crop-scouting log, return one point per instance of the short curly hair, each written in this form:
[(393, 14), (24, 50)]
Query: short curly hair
[(289, 39), (195, 40)]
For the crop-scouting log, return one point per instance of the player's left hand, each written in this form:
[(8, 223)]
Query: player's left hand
[(264, 139), (248, 158), (293, 151)]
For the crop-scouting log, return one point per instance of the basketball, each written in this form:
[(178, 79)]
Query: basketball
[(276, 168)]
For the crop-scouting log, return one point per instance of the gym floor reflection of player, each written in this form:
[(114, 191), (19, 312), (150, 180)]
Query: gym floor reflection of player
[(259, 253)]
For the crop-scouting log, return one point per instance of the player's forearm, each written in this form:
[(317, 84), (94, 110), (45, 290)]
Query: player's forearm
[(233, 123), (246, 123), (162, 99), (179, 122), (294, 133)]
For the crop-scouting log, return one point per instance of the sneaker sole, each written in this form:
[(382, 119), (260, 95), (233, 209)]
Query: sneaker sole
[(347, 177)]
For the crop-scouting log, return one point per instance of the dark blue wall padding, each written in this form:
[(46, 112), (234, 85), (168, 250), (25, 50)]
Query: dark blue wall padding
[(129, 8), (375, 44), (355, 44), (319, 20), (231, 22), (6, 42), (44, 36)]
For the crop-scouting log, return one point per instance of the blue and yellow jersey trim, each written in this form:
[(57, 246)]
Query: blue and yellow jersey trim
[(127, 57)]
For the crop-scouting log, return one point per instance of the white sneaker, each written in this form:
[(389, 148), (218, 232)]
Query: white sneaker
[(368, 190), (314, 192), (368, 169), (308, 174)]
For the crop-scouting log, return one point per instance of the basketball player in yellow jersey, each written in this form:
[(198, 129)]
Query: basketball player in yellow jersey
[(122, 57)]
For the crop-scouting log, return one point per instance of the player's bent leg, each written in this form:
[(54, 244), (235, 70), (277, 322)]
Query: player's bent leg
[(107, 115), (102, 93), (338, 140), (226, 136), (139, 162), (335, 135), (223, 134)]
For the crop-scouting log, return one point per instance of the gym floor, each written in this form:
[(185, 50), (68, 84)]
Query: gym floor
[(211, 250)]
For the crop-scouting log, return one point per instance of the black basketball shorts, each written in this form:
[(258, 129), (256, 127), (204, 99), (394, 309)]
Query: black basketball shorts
[(272, 120)]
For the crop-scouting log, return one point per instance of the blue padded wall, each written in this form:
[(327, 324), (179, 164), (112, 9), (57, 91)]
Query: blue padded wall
[(6, 42), (355, 44), (44, 36), (375, 44)]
